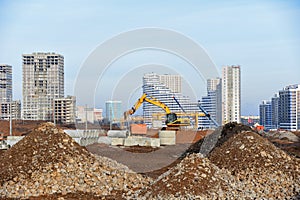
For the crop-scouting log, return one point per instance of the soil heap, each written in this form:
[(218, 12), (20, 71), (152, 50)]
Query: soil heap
[(244, 165), (48, 161), (264, 168), (195, 177), (216, 138)]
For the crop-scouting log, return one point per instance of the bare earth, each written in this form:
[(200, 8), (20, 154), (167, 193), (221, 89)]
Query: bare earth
[(141, 162)]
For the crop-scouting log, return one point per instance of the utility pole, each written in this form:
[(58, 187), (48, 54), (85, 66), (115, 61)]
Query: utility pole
[(54, 113), (10, 119), (86, 125)]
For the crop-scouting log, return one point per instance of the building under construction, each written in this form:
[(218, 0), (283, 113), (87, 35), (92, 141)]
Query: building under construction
[(43, 81)]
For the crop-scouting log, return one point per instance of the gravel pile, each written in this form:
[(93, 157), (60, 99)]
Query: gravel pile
[(216, 138), (48, 164), (244, 166), (264, 168), (48, 161), (195, 177)]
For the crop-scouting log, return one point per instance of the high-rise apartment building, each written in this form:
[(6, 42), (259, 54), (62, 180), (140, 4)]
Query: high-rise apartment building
[(5, 90), (154, 87), (213, 83), (289, 108), (212, 103), (173, 82), (265, 114), (113, 110), (275, 111), (231, 94), (43, 81), (65, 110), (16, 109)]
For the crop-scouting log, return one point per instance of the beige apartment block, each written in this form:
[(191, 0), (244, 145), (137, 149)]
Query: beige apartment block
[(231, 94), (43, 81), (65, 110)]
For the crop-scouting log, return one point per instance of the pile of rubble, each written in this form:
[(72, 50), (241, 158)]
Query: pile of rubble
[(195, 177), (48, 164), (244, 165), (264, 168), (48, 161)]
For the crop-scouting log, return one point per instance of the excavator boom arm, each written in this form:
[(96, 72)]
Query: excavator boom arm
[(140, 102), (159, 104)]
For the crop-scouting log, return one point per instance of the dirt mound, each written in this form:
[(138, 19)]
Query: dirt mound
[(266, 169), (193, 178), (45, 144), (48, 161), (216, 138), (245, 166)]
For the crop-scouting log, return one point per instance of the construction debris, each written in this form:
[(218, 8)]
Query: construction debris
[(264, 168), (195, 177), (245, 166), (48, 164), (48, 161)]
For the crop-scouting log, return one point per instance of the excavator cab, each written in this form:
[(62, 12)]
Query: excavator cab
[(171, 118)]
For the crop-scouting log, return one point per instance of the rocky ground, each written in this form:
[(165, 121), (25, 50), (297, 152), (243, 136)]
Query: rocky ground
[(48, 161), (265, 169), (48, 164)]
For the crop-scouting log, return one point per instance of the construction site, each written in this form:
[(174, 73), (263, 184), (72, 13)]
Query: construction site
[(45, 161), (172, 159)]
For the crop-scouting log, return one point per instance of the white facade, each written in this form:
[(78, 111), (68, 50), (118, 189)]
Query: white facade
[(212, 84), (173, 82), (43, 81), (153, 87), (212, 103), (289, 108), (231, 94), (5, 90)]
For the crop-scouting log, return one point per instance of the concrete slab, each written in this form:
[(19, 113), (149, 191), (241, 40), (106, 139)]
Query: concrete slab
[(154, 142), (12, 140), (117, 141), (145, 142), (167, 141), (105, 140), (141, 141), (117, 133), (130, 142), (167, 134)]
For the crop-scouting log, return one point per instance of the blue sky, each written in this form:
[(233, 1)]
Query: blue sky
[(263, 37)]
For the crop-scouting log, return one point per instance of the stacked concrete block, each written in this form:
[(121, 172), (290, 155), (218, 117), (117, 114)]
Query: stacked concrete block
[(155, 142), (167, 137), (117, 133), (131, 141), (105, 140), (117, 141)]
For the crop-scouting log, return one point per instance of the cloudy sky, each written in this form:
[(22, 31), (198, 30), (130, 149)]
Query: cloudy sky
[(263, 37)]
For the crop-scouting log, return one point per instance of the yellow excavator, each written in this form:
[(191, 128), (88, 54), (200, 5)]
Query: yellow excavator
[(171, 118)]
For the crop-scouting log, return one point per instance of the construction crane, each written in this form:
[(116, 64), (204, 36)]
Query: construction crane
[(171, 118)]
